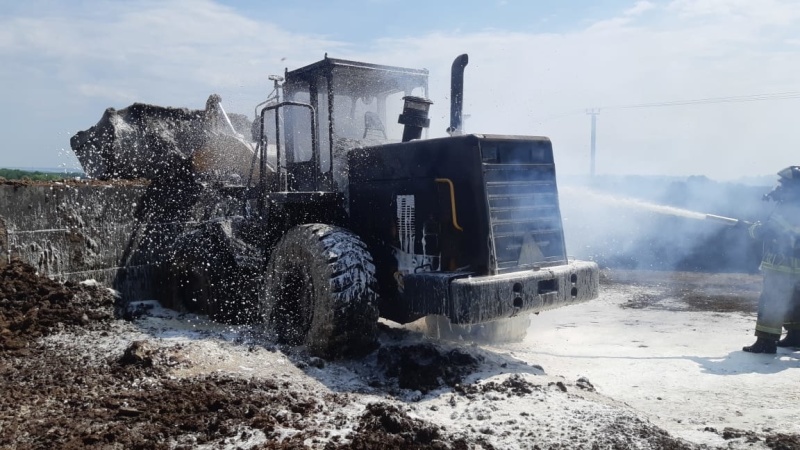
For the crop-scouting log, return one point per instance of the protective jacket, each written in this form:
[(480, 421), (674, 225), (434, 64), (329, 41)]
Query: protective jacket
[(781, 237), (779, 304)]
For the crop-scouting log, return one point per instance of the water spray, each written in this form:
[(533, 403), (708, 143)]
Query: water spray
[(656, 208)]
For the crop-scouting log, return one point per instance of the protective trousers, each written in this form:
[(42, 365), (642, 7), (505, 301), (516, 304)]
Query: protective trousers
[(778, 305)]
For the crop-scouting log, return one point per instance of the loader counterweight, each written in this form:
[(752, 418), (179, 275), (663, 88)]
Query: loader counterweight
[(465, 226)]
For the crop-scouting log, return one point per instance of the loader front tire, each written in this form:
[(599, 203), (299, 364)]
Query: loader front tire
[(320, 291), (216, 273)]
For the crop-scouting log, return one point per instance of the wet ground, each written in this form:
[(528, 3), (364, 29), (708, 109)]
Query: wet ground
[(73, 376), (670, 344), (689, 291)]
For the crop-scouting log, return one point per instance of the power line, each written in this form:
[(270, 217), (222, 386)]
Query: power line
[(710, 100), (789, 95), (701, 101)]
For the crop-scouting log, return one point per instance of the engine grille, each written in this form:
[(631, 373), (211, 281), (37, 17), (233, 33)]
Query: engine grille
[(526, 229)]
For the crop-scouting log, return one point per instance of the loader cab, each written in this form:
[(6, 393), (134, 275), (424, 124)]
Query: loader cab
[(356, 105)]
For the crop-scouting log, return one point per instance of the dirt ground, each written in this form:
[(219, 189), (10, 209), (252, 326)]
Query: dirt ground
[(72, 375)]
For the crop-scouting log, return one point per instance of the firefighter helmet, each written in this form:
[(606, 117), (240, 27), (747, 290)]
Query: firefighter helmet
[(791, 173), (788, 188)]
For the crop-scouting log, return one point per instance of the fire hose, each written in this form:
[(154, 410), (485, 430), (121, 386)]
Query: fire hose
[(729, 221)]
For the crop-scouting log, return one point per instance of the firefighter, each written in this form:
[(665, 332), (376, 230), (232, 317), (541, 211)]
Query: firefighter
[(780, 264)]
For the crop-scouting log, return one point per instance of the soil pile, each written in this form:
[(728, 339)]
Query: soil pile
[(32, 306), (73, 376), (56, 396)]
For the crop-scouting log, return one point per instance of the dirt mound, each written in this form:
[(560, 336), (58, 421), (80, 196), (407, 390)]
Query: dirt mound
[(32, 306), (56, 396), (386, 426), (513, 385), (424, 367), (783, 441)]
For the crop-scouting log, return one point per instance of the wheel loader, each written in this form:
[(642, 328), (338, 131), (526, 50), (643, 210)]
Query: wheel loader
[(351, 212)]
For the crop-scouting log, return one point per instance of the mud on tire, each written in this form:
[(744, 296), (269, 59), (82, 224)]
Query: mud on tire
[(319, 291)]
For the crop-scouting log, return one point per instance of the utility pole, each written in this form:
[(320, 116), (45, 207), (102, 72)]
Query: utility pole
[(593, 113)]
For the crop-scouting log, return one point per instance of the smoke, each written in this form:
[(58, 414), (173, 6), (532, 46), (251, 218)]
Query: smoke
[(658, 223)]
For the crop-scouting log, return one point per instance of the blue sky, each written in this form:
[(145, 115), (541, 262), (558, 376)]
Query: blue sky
[(362, 21), (535, 67)]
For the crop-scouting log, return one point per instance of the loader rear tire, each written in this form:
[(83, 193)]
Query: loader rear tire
[(320, 291)]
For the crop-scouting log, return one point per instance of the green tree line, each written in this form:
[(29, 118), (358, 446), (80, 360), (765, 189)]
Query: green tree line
[(17, 174)]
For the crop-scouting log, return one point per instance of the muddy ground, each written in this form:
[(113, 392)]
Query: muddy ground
[(72, 375)]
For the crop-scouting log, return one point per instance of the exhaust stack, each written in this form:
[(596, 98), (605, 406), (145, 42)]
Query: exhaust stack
[(457, 94)]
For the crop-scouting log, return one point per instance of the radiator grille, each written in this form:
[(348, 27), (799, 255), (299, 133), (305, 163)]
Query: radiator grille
[(524, 216)]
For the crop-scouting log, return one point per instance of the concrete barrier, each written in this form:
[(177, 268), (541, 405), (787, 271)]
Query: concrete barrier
[(78, 231)]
